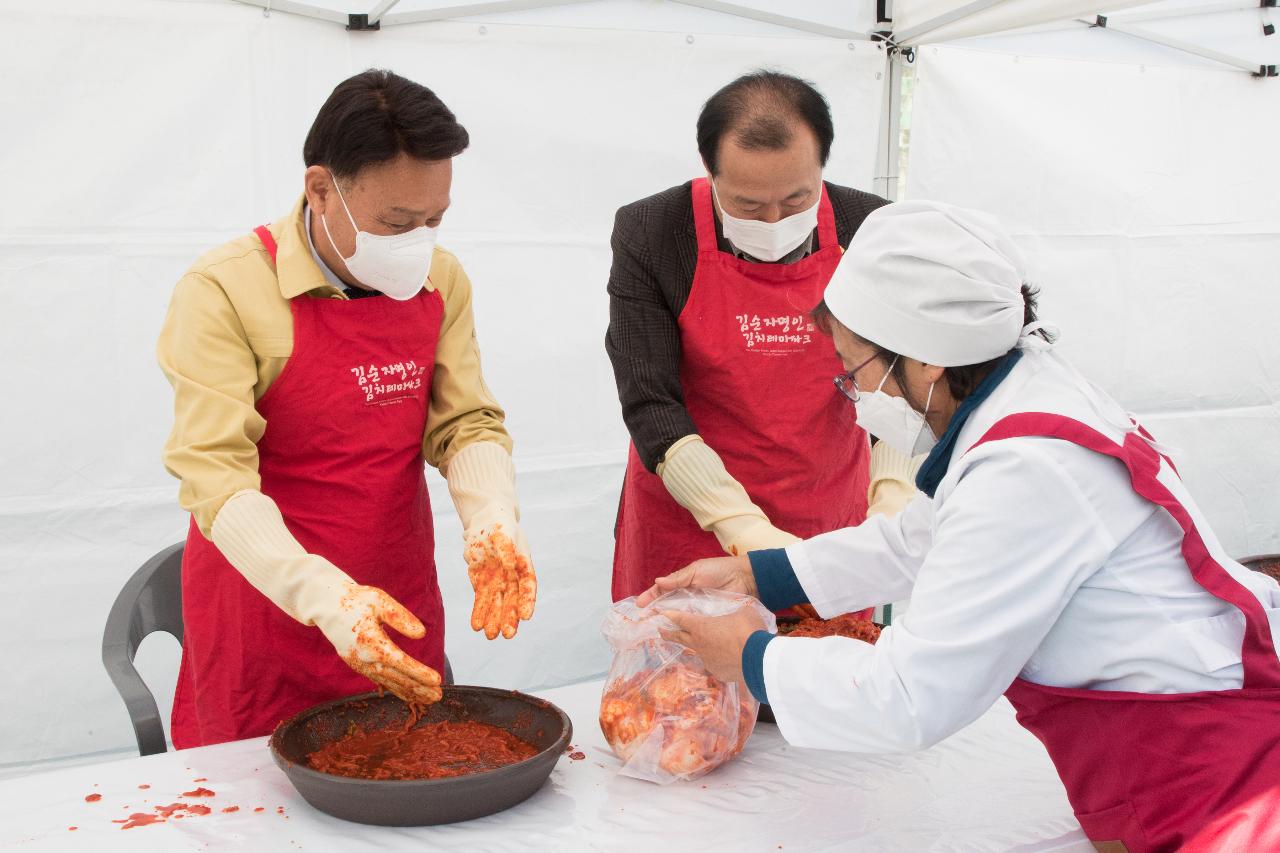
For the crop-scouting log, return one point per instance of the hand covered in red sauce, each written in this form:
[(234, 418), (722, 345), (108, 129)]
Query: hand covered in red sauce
[(502, 576), (356, 630)]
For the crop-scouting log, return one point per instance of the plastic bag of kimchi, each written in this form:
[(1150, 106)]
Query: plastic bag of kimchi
[(664, 715)]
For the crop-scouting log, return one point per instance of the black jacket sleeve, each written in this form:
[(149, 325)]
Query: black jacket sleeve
[(643, 343)]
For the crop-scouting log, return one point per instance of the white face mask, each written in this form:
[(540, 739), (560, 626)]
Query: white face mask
[(891, 419), (768, 241), (394, 264)]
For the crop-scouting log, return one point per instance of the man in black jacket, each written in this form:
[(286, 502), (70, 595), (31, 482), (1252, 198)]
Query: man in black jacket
[(724, 386)]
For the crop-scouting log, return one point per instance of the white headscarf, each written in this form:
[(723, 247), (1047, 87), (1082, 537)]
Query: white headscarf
[(943, 285), (932, 281)]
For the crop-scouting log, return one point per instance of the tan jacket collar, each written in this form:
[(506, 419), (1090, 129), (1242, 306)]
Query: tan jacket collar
[(296, 269)]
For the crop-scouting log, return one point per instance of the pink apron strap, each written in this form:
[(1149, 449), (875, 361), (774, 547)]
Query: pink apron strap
[(826, 221), (704, 217), (1258, 652), (268, 241)]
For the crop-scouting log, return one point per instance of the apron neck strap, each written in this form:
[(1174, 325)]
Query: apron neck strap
[(827, 237), (704, 216), (1257, 652), (268, 241)]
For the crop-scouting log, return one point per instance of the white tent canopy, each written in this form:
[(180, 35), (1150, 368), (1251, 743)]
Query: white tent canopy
[(143, 132), (903, 22)]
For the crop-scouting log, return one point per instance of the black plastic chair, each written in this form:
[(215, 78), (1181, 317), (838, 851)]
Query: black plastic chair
[(151, 601)]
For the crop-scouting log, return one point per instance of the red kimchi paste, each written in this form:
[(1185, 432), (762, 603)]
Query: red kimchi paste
[(847, 625), (427, 751)]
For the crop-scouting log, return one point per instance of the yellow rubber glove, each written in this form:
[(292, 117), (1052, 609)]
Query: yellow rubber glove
[(893, 480), (482, 483), (696, 477), (250, 532)]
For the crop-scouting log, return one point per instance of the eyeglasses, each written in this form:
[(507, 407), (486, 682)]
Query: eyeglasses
[(847, 385)]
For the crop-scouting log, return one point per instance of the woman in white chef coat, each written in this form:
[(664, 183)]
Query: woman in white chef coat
[(1054, 556)]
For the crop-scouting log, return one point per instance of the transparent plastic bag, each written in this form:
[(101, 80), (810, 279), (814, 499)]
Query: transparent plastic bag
[(664, 715)]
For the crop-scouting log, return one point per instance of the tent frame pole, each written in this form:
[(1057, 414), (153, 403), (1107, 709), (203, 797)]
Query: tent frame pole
[(912, 35), (381, 9), (484, 7), (381, 14), (304, 10), (1249, 65), (889, 146), (740, 11), (1187, 12)]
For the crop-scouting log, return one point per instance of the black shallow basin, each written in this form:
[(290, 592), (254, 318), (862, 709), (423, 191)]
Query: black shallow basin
[(428, 801)]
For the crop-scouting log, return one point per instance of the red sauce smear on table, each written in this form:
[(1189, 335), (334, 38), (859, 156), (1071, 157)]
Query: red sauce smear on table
[(162, 813), (93, 798), (139, 819), (428, 751), (230, 809), (143, 787), (199, 792), (259, 809), (577, 756)]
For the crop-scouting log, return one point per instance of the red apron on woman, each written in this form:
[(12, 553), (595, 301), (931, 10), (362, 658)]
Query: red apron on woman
[(342, 457), (1167, 771), (756, 377)]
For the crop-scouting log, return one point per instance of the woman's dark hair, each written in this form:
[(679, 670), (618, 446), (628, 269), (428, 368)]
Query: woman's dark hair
[(373, 117), (760, 110), (961, 381)]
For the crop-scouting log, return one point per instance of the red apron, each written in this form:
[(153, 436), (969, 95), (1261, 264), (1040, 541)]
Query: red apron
[(756, 377), (1182, 771), (342, 457)]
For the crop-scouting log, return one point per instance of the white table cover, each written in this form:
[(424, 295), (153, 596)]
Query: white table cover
[(989, 788)]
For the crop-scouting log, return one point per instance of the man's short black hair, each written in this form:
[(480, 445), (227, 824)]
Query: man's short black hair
[(373, 117), (759, 111)]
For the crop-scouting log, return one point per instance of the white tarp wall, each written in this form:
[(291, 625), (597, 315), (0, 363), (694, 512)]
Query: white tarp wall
[(138, 134), (1156, 194)]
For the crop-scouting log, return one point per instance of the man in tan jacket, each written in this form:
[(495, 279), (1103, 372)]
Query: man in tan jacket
[(316, 363)]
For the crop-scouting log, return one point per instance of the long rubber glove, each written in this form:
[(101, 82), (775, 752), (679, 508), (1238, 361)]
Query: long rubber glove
[(696, 477), (893, 480), (250, 532), (482, 483)]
